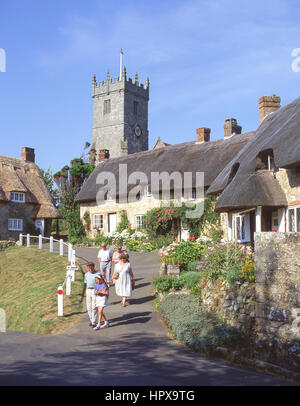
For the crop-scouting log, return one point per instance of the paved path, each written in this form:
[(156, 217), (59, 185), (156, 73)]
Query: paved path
[(135, 350)]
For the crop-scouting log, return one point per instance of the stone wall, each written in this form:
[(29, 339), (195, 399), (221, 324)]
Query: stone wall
[(277, 267), (236, 302)]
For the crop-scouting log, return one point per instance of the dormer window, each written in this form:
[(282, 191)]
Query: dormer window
[(265, 160), (17, 197)]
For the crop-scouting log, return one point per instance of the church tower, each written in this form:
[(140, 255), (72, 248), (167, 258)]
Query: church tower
[(120, 117)]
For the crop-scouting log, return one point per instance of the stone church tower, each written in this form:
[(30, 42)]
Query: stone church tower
[(120, 117)]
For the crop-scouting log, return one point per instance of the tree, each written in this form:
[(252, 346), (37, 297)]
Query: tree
[(69, 181), (49, 180)]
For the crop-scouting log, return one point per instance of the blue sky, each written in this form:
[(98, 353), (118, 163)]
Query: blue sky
[(206, 60)]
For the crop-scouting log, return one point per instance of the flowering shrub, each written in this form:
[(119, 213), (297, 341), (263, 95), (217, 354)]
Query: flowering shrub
[(248, 270), (183, 253), (225, 261)]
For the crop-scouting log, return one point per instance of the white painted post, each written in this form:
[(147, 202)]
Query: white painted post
[(258, 219), (68, 284), (28, 240), (60, 301), (61, 247), (21, 239), (73, 258), (51, 244), (40, 242), (70, 252)]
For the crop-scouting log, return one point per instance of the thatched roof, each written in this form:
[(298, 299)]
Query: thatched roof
[(242, 182), (17, 175), (208, 157)]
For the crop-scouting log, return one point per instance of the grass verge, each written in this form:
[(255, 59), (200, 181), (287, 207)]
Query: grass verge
[(29, 278)]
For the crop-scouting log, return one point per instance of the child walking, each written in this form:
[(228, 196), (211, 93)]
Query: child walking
[(101, 293)]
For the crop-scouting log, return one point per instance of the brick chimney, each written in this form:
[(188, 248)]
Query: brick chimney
[(103, 154), (267, 105), (203, 134), (28, 154), (231, 127)]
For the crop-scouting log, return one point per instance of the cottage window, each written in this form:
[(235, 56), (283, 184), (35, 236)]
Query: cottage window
[(15, 224), (99, 221), (107, 106), (139, 221), (241, 227), (294, 219), (17, 197)]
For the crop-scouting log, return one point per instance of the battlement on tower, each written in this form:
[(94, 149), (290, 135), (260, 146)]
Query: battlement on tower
[(120, 84)]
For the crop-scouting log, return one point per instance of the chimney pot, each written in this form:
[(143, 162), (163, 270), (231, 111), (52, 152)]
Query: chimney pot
[(231, 127), (28, 154), (203, 134), (267, 105)]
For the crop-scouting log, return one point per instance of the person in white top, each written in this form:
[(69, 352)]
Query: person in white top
[(104, 258), (123, 278)]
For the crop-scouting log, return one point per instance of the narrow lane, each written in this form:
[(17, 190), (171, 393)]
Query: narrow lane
[(135, 350)]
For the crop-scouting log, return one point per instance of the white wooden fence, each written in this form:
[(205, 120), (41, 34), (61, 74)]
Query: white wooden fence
[(71, 268)]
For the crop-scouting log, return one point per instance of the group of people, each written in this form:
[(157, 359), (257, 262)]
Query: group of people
[(98, 283)]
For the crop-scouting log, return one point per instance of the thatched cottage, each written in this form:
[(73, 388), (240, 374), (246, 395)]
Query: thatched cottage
[(201, 155), (260, 188), (25, 202)]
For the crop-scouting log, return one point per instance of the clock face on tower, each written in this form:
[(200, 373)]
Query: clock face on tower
[(138, 130)]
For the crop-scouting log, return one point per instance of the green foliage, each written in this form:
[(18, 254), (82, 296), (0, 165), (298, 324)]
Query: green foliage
[(161, 240), (133, 245), (123, 223), (71, 213), (161, 220), (195, 326), (191, 279), (100, 238), (163, 284), (187, 252), (224, 261), (50, 183)]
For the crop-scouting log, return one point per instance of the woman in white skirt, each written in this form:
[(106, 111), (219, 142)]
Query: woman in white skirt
[(123, 278)]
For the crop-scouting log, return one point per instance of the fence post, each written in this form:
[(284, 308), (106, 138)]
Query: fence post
[(70, 252), (28, 240), (21, 239), (60, 301), (61, 247), (51, 244), (40, 241), (68, 284)]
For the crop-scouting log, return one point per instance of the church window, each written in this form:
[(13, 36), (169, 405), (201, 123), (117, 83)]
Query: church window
[(107, 106), (135, 108)]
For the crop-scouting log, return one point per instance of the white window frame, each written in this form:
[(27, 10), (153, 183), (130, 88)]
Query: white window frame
[(15, 225), (294, 208), (18, 197), (147, 191), (139, 221), (99, 226), (192, 194), (244, 223)]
